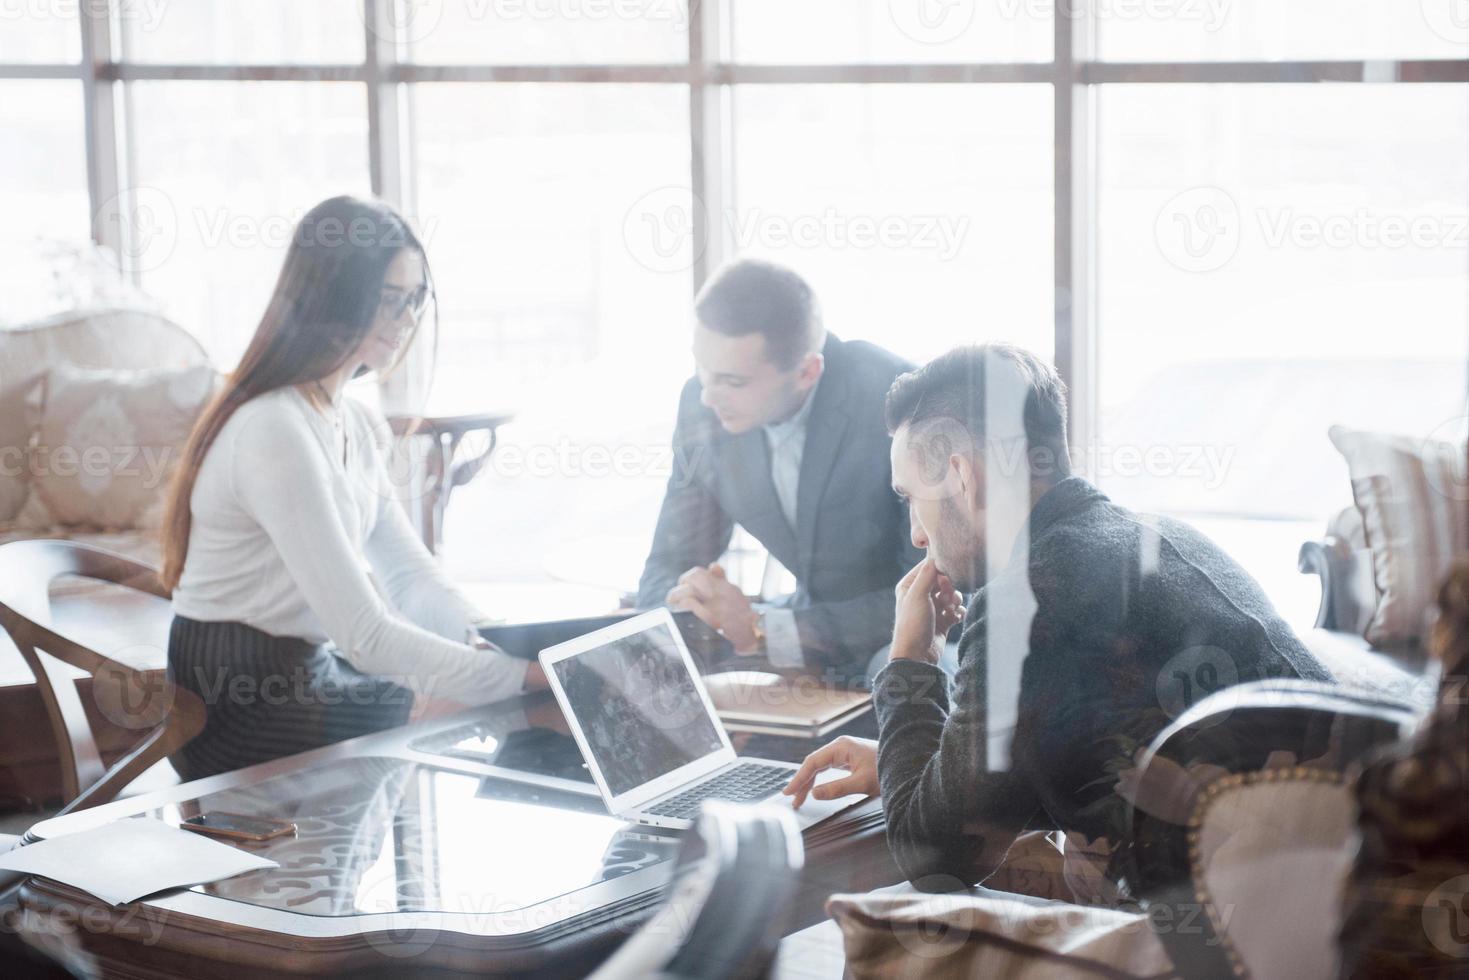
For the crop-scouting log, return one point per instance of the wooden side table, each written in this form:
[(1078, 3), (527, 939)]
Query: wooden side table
[(443, 472)]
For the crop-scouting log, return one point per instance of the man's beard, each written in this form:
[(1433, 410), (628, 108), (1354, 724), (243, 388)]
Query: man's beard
[(960, 547)]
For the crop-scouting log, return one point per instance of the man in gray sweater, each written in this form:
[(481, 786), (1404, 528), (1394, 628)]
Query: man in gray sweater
[(1097, 624)]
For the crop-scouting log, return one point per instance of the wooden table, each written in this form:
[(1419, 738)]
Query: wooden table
[(419, 850)]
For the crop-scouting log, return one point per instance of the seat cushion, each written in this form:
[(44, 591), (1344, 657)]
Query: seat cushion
[(897, 934)]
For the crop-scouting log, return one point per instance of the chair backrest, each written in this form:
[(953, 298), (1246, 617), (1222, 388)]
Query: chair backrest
[(1243, 872), (172, 715), (733, 884), (117, 340)]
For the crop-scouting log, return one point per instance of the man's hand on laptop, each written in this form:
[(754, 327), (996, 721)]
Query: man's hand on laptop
[(928, 607), (710, 595), (856, 755)]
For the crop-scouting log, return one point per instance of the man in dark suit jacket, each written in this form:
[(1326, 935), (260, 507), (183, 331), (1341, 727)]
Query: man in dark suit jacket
[(781, 431)]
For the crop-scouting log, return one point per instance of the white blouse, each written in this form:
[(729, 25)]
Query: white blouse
[(292, 538)]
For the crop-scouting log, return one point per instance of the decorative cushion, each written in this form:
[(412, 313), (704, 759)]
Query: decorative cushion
[(1415, 515), (894, 935), (15, 434), (113, 339), (1274, 843), (107, 443)]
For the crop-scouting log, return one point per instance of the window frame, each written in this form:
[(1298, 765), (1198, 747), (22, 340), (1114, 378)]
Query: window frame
[(711, 74)]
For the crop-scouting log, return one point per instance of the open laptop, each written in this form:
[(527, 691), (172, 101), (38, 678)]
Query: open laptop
[(645, 724)]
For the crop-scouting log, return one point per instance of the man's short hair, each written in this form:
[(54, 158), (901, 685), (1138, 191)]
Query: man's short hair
[(958, 386), (750, 296)]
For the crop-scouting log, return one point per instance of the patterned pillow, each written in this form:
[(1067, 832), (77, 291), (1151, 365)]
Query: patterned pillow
[(1415, 511), (15, 435), (107, 443), (898, 934)]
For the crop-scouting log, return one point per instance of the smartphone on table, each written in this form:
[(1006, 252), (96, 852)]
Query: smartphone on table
[(238, 826)]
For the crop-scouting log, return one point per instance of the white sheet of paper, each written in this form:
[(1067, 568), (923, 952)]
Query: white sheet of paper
[(122, 861)]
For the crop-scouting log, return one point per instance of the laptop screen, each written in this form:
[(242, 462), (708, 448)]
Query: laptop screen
[(637, 707)]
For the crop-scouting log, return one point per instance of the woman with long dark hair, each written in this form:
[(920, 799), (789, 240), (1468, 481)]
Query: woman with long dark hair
[(282, 506)]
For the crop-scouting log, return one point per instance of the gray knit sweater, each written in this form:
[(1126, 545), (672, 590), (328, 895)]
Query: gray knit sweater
[(1136, 617)]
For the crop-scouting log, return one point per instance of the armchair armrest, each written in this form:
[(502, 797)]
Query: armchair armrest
[(1285, 731), (1327, 559)]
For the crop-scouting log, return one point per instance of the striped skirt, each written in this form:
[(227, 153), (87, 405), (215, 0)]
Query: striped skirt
[(269, 696)]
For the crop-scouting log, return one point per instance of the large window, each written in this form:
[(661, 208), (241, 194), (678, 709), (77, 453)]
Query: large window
[(555, 303), (1276, 259), (920, 213), (890, 31), (1231, 224), (216, 213), (1280, 30), (43, 168)]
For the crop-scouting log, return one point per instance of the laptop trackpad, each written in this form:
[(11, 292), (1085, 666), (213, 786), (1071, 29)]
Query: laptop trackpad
[(814, 811)]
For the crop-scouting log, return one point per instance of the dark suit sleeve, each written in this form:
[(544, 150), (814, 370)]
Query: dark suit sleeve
[(950, 821), (844, 634), (692, 528)]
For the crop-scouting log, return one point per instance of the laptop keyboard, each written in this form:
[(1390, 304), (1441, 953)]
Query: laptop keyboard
[(747, 782)]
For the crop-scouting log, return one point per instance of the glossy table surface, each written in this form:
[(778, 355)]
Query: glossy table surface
[(432, 834)]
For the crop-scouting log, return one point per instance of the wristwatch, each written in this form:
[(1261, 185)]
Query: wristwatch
[(758, 628)]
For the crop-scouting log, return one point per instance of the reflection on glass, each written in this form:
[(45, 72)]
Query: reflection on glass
[(260, 32), (921, 214), (1275, 260), (379, 835), (224, 172), (537, 750)]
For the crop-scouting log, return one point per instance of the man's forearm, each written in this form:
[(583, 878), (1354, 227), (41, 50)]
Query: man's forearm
[(949, 821)]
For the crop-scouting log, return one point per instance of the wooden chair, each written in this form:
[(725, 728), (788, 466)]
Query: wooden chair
[(171, 714)]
